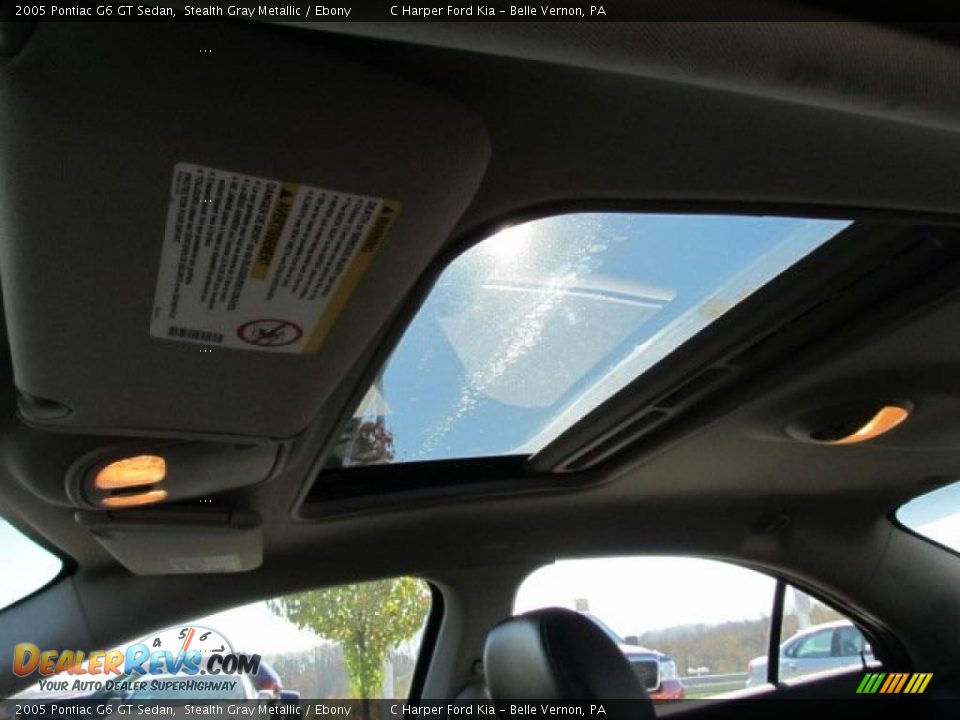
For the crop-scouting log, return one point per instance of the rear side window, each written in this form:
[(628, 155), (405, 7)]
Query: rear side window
[(689, 627), (695, 628), (349, 641), (935, 516), (27, 567)]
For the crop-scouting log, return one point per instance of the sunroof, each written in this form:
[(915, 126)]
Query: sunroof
[(534, 327)]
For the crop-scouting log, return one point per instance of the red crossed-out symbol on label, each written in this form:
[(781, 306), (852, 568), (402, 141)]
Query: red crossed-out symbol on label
[(269, 332)]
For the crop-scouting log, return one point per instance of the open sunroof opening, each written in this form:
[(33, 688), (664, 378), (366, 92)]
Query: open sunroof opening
[(532, 328)]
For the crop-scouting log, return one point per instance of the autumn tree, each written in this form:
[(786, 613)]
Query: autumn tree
[(367, 619)]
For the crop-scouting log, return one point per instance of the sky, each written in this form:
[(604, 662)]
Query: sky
[(254, 628), (634, 595)]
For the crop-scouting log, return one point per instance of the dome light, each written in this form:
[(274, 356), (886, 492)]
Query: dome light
[(134, 499), (885, 420), (131, 472)]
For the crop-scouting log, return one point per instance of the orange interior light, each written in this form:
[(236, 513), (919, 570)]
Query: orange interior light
[(131, 472), (886, 419), (144, 498)]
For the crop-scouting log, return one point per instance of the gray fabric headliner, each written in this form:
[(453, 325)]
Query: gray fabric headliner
[(854, 67)]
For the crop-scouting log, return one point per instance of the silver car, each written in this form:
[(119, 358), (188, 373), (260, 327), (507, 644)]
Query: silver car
[(820, 647)]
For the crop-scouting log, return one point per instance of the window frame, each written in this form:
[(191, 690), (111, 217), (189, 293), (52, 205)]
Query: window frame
[(554, 467), (785, 228), (428, 643), (885, 647)]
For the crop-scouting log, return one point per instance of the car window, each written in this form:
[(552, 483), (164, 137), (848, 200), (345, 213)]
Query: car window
[(848, 642), (598, 298), (27, 567), (359, 640), (815, 646), (815, 638), (689, 627), (935, 516), (703, 628)]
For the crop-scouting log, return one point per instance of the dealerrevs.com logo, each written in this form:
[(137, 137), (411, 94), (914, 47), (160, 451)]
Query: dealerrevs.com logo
[(174, 653)]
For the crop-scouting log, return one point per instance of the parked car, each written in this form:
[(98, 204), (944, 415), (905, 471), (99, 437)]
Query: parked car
[(656, 670), (266, 681), (820, 647)]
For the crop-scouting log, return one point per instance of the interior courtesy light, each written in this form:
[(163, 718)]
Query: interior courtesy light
[(886, 419), (131, 472), (134, 499)]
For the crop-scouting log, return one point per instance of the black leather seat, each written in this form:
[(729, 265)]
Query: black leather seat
[(558, 654)]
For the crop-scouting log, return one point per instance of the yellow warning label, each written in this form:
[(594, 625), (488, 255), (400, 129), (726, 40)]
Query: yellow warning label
[(255, 263), (381, 226), (271, 238), (368, 248)]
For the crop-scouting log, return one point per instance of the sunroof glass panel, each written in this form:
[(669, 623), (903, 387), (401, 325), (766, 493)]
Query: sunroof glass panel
[(534, 327)]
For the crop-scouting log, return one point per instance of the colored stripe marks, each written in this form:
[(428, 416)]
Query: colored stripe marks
[(894, 683)]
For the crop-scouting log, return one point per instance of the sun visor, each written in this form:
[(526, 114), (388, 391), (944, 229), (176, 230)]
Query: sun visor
[(203, 227), (178, 542)]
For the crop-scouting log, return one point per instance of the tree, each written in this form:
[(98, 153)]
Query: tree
[(373, 443), (367, 619), (364, 442)]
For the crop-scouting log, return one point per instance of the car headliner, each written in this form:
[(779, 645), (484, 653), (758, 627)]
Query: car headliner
[(851, 120)]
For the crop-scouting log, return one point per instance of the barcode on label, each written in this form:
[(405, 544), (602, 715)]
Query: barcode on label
[(192, 334)]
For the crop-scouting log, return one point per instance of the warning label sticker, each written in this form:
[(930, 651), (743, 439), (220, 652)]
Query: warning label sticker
[(261, 264)]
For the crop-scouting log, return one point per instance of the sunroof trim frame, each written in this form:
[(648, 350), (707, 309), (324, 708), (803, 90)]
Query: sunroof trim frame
[(548, 478), (606, 296)]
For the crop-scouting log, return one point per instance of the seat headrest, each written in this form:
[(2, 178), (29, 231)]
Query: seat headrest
[(557, 654)]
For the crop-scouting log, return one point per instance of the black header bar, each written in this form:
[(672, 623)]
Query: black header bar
[(426, 11)]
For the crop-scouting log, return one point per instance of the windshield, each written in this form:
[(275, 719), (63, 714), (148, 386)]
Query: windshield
[(537, 325)]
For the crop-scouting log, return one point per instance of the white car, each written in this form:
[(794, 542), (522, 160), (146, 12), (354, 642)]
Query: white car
[(820, 647)]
